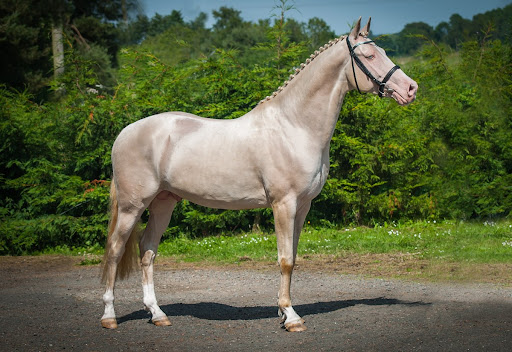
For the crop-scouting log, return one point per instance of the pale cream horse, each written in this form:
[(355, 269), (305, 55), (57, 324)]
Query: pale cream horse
[(277, 156)]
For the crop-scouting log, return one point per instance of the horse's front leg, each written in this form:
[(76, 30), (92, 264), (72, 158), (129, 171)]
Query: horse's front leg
[(288, 222), (160, 211)]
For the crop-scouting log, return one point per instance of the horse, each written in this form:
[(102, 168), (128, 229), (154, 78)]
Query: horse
[(276, 155)]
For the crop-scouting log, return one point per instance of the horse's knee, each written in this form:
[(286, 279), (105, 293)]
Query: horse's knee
[(147, 258), (286, 266)]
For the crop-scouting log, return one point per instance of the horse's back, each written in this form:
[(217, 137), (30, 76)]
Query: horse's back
[(208, 161)]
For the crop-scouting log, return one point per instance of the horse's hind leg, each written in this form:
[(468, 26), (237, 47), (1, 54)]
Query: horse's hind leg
[(123, 230), (160, 211)]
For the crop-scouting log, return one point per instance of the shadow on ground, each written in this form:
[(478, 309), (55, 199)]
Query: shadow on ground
[(219, 311)]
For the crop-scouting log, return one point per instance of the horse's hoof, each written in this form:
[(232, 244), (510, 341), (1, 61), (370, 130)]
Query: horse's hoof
[(164, 321), (295, 326), (109, 323)]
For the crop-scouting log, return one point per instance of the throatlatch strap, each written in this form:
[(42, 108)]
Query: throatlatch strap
[(354, 72)]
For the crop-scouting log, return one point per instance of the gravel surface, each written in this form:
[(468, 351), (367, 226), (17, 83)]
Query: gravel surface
[(51, 304)]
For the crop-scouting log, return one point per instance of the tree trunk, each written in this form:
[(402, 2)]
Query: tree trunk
[(125, 11), (58, 50), (257, 221)]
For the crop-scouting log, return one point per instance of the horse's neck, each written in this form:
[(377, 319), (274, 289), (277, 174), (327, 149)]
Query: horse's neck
[(312, 99)]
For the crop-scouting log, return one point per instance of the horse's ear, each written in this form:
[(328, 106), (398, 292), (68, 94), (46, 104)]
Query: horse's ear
[(366, 30), (355, 30)]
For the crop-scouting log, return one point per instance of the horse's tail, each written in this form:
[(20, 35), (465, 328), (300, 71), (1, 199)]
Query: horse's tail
[(128, 260)]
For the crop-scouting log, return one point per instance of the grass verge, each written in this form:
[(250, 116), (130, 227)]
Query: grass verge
[(422, 250), (487, 242), (447, 250)]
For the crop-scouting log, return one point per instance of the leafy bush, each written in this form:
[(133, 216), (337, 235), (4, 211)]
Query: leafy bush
[(448, 155)]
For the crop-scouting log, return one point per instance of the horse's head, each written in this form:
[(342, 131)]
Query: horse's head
[(372, 71)]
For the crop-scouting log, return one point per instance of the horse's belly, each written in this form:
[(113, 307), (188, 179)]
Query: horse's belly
[(228, 203), (222, 196), (217, 187)]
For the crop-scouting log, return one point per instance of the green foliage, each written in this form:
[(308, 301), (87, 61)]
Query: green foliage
[(53, 152), (24, 45), (448, 155), (26, 40), (379, 163), (467, 137)]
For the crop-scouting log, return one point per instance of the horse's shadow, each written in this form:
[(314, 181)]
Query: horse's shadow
[(219, 311)]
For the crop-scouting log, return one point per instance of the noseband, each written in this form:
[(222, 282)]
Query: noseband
[(382, 85)]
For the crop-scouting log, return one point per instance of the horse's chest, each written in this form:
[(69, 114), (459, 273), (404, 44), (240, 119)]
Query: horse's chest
[(317, 180), (304, 173)]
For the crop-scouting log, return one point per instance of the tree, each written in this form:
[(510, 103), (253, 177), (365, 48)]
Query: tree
[(410, 38), (460, 30), (135, 31), (24, 45), (230, 30), (318, 32), (33, 34), (295, 31), (199, 22), (442, 31), (160, 24), (227, 19)]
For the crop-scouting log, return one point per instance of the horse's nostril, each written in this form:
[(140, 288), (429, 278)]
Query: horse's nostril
[(413, 87)]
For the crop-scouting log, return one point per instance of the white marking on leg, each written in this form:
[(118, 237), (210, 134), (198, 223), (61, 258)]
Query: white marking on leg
[(150, 302), (288, 316), (108, 300), (148, 288)]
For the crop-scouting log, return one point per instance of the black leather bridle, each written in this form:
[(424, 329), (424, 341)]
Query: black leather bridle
[(382, 85)]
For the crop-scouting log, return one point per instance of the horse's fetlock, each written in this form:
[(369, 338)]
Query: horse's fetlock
[(284, 303)]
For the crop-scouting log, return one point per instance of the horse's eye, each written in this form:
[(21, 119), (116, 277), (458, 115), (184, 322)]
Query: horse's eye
[(370, 57)]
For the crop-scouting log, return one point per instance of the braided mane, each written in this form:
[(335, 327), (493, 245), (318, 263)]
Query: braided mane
[(302, 66)]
